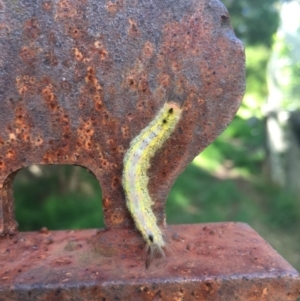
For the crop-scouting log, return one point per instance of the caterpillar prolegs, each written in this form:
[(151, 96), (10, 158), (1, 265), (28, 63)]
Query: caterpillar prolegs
[(135, 180)]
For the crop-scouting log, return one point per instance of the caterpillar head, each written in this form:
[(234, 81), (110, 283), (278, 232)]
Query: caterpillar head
[(171, 112)]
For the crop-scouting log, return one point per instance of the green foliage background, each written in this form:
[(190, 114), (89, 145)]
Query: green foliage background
[(227, 182)]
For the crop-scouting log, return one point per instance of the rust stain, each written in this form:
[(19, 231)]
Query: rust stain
[(85, 134), (66, 9), (118, 218), (107, 202), (50, 97), (114, 7), (164, 79), (32, 28), (50, 58), (125, 132), (133, 28), (148, 50), (76, 32), (28, 55), (78, 55), (26, 84), (47, 5), (91, 79)]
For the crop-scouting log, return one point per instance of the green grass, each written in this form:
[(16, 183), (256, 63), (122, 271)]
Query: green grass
[(46, 200)]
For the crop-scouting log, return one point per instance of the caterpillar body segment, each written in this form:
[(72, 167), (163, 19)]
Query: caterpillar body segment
[(135, 179)]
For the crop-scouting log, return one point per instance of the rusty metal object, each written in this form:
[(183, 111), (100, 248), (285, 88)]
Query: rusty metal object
[(79, 79), (213, 262)]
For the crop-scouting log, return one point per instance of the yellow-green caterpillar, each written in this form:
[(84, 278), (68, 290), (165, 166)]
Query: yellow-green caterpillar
[(135, 180)]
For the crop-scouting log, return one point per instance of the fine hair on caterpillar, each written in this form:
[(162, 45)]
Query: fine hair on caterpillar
[(154, 251), (135, 179)]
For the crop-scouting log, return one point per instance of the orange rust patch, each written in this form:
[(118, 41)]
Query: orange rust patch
[(201, 101), (2, 164), (50, 58), (98, 104), (129, 116), (21, 125), (75, 32), (160, 61), (48, 158), (10, 154), (133, 29), (116, 182), (52, 156), (49, 97), (78, 55), (143, 83), (93, 89), (106, 202), (47, 5), (100, 51), (112, 145), (163, 79), (31, 28), (12, 136), (28, 54), (113, 7), (91, 79), (86, 60), (100, 154), (141, 105), (98, 44), (104, 163), (76, 157), (25, 84), (60, 118), (121, 149), (103, 54), (176, 66), (105, 117), (37, 141), (137, 80), (131, 82), (117, 218), (125, 131), (85, 133), (148, 49), (66, 9)]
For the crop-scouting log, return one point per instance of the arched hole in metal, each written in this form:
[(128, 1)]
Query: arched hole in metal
[(58, 197)]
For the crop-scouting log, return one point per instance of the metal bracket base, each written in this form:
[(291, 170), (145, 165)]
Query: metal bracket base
[(220, 261)]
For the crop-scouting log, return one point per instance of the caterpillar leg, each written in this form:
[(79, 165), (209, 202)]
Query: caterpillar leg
[(154, 251)]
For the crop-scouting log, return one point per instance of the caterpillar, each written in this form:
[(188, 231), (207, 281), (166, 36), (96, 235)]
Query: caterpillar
[(135, 180)]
